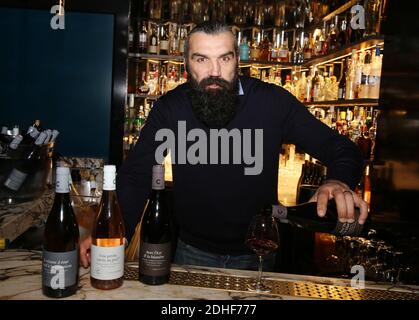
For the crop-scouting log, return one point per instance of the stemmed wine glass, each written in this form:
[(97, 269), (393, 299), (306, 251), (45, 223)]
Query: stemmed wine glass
[(262, 237)]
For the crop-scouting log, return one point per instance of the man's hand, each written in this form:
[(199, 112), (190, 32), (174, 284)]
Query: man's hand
[(346, 201), (84, 246)]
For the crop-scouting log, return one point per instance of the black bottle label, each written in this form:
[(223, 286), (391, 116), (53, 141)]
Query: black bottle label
[(155, 259), (59, 269)]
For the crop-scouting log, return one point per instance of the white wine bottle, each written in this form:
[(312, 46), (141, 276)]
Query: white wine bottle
[(107, 251), (60, 258), (155, 244)]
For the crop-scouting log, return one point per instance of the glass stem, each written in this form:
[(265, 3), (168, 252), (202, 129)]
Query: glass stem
[(260, 272)]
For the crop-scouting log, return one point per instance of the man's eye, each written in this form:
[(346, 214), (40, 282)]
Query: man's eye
[(200, 59), (226, 59)]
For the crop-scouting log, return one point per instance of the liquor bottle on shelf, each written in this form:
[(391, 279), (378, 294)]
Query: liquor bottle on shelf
[(342, 84), (283, 49), (164, 41), (153, 42), (288, 85), (343, 34), (315, 87), (163, 81), (366, 193), (375, 74), (143, 38), (174, 42), (264, 49), (60, 255), (182, 39), (333, 35), (155, 244), (363, 92), (143, 86), (364, 143), (308, 48), (107, 251), (244, 49), (305, 215)]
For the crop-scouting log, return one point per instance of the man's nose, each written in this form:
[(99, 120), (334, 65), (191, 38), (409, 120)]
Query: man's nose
[(215, 69)]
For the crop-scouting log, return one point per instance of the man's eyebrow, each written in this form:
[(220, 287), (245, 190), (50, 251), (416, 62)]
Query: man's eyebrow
[(199, 55), (227, 54)]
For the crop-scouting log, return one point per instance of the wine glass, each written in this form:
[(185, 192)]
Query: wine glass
[(262, 237)]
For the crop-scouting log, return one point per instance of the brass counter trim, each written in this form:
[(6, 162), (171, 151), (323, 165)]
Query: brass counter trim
[(278, 287)]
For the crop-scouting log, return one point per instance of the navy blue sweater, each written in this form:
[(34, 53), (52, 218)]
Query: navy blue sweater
[(213, 204)]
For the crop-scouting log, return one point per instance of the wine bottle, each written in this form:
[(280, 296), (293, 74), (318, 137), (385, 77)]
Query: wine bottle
[(107, 251), (305, 215), (26, 167), (155, 241), (60, 264)]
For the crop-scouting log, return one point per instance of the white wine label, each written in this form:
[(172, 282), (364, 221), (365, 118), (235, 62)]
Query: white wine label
[(15, 180), (109, 180), (62, 183), (107, 263), (152, 49), (164, 45), (59, 269), (155, 259)]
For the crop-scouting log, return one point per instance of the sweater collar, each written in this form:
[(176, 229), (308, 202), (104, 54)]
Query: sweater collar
[(241, 92)]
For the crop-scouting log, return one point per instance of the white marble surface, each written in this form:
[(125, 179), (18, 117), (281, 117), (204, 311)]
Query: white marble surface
[(15, 219), (20, 279)]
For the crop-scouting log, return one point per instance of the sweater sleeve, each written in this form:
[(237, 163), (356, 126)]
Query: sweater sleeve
[(133, 183), (341, 156)]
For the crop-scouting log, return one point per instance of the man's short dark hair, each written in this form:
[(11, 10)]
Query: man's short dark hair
[(212, 28)]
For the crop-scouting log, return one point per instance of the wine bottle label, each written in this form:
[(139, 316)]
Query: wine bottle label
[(152, 49), (155, 259), (62, 183), (15, 142), (15, 180), (279, 212), (59, 269), (164, 45), (107, 263), (109, 180), (157, 182)]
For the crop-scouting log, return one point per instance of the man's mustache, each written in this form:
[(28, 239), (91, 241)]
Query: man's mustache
[(214, 80)]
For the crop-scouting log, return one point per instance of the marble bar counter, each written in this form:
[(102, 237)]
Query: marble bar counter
[(20, 279), (15, 219)]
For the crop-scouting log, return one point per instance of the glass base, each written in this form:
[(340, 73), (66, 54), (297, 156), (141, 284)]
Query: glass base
[(258, 288)]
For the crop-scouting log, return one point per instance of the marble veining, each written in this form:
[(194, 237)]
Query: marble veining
[(17, 218), (20, 278)]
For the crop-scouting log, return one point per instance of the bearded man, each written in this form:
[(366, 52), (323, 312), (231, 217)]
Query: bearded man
[(214, 201)]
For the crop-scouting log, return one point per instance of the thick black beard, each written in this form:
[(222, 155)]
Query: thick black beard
[(214, 107)]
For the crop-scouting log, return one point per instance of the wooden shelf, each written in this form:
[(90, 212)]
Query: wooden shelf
[(368, 42), (364, 43), (147, 96), (340, 10), (344, 103), (159, 57), (265, 64)]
